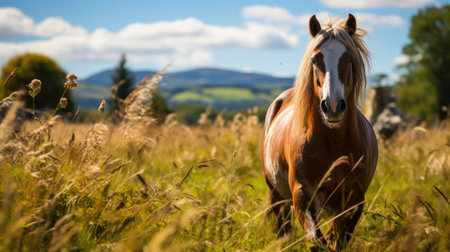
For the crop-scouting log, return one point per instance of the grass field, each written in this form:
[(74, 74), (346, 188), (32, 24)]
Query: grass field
[(101, 187), (223, 97)]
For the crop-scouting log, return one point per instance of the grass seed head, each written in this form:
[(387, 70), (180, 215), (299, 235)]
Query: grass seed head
[(101, 108), (71, 81), (35, 86), (63, 103)]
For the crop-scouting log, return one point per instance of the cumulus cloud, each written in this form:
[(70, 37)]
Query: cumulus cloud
[(13, 23), (275, 14), (193, 33), (362, 4), (183, 41), (55, 26), (380, 20), (271, 14)]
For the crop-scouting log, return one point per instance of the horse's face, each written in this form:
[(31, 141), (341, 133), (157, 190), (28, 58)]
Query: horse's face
[(332, 74), (332, 66)]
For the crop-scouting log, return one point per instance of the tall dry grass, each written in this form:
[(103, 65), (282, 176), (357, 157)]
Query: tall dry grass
[(138, 186)]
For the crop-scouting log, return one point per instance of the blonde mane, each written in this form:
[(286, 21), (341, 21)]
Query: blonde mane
[(334, 28)]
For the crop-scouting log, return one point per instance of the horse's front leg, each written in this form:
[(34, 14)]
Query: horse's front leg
[(344, 226), (307, 213)]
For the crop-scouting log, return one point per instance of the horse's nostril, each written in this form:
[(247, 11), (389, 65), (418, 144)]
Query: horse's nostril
[(341, 105), (324, 107)]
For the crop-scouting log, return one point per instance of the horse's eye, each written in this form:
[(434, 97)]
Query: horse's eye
[(314, 61)]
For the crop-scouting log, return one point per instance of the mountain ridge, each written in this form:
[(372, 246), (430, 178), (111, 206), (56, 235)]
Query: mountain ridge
[(195, 77)]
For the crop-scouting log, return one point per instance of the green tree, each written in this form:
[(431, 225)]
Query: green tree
[(125, 77), (36, 66), (159, 106), (424, 88)]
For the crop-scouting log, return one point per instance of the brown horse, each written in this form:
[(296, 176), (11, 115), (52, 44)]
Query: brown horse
[(319, 149)]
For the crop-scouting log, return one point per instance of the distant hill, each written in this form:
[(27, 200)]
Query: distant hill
[(197, 77), (206, 86), (221, 77), (104, 77)]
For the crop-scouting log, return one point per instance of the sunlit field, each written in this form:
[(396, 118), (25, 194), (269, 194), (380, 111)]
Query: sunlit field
[(140, 186)]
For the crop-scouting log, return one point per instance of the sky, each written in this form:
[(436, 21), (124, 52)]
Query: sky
[(85, 37)]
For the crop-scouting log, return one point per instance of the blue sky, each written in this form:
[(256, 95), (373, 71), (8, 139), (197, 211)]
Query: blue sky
[(255, 36)]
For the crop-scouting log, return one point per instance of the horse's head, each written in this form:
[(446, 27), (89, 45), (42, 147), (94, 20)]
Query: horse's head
[(332, 72)]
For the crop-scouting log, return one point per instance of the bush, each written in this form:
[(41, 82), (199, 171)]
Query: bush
[(36, 66)]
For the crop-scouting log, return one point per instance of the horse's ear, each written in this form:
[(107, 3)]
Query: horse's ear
[(314, 26), (350, 24)]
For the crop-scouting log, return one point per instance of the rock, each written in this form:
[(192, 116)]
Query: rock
[(388, 121), (377, 100)]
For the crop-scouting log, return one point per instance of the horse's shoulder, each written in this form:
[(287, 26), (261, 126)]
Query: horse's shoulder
[(276, 106), (365, 127)]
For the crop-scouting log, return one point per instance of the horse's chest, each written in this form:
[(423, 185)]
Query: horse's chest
[(316, 162)]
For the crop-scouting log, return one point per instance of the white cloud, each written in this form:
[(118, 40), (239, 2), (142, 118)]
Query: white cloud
[(13, 23), (184, 41), (275, 14), (271, 14), (401, 60), (247, 69), (54, 26), (193, 33), (405, 59), (278, 15), (362, 4), (380, 20)]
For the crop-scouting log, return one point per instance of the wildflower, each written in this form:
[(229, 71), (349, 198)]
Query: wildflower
[(71, 81), (63, 103), (35, 86), (101, 108)]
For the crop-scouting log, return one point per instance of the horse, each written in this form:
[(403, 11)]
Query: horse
[(319, 151)]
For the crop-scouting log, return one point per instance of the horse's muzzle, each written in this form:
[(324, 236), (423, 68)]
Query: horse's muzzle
[(333, 114)]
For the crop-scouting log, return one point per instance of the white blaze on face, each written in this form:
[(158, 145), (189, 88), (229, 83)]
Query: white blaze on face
[(333, 88)]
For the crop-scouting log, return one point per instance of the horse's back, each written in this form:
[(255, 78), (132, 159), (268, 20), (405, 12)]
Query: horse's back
[(282, 100)]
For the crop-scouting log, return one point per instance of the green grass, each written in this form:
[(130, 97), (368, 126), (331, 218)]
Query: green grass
[(229, 94), (228, 97), (191, 96)]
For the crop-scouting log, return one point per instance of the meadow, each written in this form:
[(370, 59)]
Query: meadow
[(138, 186)]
